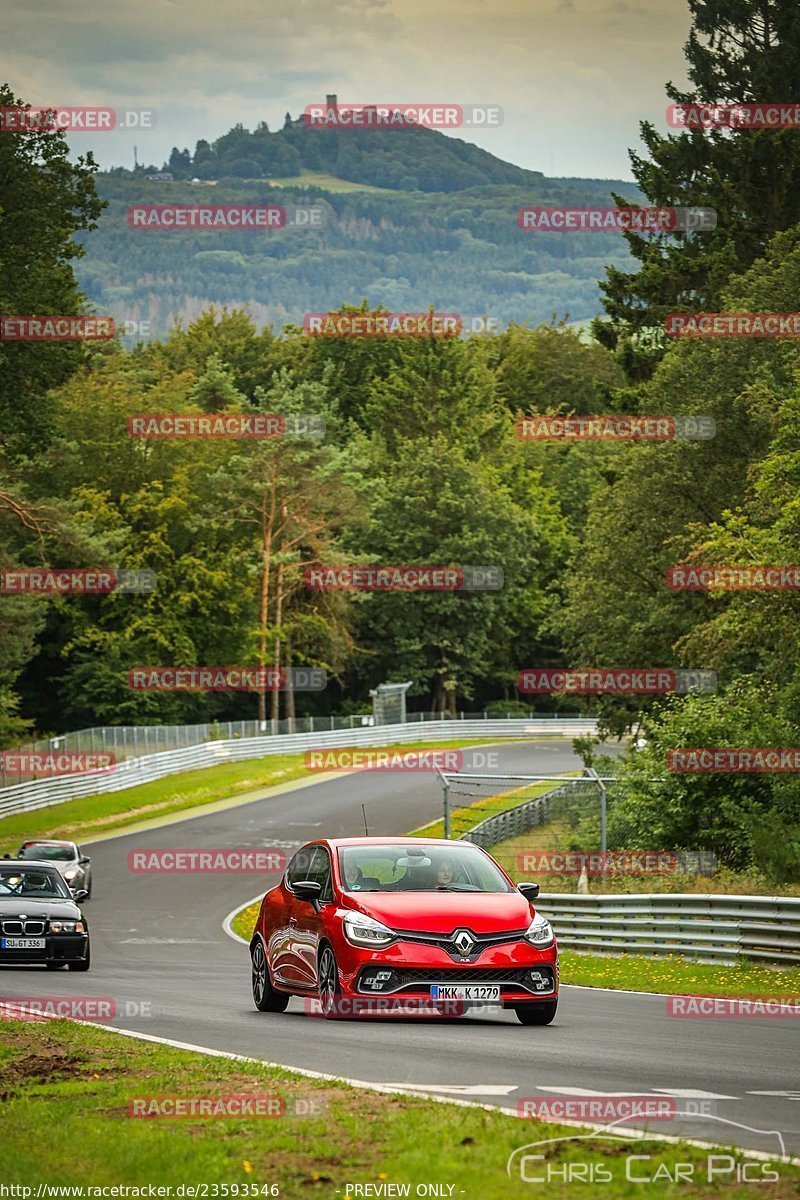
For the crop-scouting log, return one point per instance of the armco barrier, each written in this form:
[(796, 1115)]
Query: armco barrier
[(522, 818), (706, 927), (25, 797)]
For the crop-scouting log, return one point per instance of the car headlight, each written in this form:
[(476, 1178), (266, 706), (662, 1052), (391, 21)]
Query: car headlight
[(67, 927), (366, 931), (71, 872), (540, 931)]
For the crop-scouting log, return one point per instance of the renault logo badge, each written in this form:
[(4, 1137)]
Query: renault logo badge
[(464, 943)]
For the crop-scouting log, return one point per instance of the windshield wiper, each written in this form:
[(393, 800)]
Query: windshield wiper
[(450, 887)]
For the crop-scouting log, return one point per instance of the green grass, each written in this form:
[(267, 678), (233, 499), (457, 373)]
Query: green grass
[(111, 811), (68, 1089), (674, 975), (245, 920), (331, 183), (464, 817), (558, 836)]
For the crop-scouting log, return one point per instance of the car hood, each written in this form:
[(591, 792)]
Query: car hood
[(442, 912), (12, 906)]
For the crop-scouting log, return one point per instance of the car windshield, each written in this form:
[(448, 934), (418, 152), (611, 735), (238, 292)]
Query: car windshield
[(32, 884), (45, 853), (390, 868)]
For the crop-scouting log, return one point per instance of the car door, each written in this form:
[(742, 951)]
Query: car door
[(285, 959), (85, 876), (308, 921)]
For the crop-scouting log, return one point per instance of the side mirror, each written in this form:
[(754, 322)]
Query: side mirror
[(80, 895), (529, 890), (84, 861), (307, 889)]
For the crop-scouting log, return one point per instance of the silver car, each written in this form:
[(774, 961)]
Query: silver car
[(67, 858)]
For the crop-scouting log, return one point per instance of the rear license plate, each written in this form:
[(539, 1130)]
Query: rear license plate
[(22, 943), (471, 991)]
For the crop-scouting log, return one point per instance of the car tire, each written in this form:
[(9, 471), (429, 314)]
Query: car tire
[(536, 1014), (328, 979), (265, 996), (81, 964), (55, 966)]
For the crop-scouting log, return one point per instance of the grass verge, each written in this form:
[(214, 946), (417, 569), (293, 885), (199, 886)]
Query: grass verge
[(78, 1084), (464, 817), (556, 836), (677, 976), (108, 812)]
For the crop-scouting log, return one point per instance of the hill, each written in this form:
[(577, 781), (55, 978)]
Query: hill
[(412, 218)]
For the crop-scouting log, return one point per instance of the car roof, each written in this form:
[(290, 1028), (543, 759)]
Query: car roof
[(28, 862), (44, 842), (394, 841)]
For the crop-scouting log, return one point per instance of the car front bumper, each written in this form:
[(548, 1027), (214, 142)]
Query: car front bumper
[(58, 948), (523, 973)]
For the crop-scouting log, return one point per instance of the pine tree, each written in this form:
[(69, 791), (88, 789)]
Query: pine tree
[(738, 51)]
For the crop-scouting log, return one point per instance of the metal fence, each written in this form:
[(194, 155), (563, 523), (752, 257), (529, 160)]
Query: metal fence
[(522, 818), (25, 797), (706, 927), (711, 928), (134, 741)]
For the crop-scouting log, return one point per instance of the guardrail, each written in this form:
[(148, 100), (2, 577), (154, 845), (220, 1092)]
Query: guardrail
[(26, 797), (135, 741), (512, 822), (712, 928), (706, 927)]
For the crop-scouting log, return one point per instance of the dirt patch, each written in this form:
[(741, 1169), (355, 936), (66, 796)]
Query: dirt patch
[(51, 1063)]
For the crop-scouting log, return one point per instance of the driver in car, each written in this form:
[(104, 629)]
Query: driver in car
[(445, 875), (353, 876), (36, 883)]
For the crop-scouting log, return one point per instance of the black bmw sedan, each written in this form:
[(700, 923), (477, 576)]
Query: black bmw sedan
[(40, 921)]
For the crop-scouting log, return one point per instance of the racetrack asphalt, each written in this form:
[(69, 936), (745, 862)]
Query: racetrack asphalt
[(159, 950)]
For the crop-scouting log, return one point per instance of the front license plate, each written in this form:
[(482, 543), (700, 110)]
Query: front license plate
[(20, 943), (470, 991)]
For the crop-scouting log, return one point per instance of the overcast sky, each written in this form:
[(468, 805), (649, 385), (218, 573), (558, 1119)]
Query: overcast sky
[(574, 77)]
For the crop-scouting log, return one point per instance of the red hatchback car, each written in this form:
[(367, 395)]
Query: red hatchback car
[(430, 922)]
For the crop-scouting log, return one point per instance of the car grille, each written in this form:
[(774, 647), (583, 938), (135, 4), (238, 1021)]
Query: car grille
[(30, 928), (480, 941), (516, 976)]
